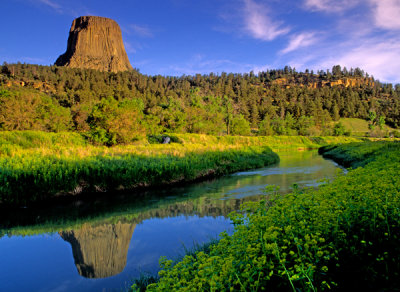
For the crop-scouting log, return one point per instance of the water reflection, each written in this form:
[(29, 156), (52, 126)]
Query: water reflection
[(114, 238), (100, 251)]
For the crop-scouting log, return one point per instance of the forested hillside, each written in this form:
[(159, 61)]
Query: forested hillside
[(112, 108)]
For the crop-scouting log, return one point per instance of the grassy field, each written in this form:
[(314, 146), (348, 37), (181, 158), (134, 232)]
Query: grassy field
[(359, 127), (36, 165), (343, 236)]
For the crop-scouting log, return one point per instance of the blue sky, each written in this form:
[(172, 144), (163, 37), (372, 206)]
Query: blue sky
[(176, 37)]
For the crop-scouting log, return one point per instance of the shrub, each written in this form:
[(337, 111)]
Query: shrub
[(240, 126)]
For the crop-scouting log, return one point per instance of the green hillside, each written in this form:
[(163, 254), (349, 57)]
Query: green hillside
[(359, 127), (119, 108)]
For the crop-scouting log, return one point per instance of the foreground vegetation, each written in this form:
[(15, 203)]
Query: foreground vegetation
[(343, 236)]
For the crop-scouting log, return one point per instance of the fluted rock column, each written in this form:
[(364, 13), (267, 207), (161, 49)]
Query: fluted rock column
[(95, 43)]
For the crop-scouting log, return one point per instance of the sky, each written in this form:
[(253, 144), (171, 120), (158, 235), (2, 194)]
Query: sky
[(187, 37)]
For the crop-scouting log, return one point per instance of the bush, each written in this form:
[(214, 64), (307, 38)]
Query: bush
[(240, 126), (112, 122), (265, 128), (340, 130), (29, 110)]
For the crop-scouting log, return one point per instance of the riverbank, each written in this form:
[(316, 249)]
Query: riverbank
[(67, 213), (37, 166), (343, 236)]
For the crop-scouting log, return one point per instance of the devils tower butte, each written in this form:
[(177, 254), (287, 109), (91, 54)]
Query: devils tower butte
[(95, 43)]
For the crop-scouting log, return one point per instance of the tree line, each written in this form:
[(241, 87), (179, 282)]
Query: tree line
[(112, 108)]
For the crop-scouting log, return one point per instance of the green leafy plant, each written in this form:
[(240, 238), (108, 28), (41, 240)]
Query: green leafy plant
[(342, 236)]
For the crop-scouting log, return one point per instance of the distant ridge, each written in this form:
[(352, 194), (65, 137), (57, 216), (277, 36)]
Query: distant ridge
[(95, 43)]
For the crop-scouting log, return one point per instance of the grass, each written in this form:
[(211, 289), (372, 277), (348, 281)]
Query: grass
[(36, 166), (37, 139), (34, 176), (355, 125), (359, 127), (343, 236)]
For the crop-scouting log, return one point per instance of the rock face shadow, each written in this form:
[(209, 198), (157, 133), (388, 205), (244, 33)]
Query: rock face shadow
[(100, 251)]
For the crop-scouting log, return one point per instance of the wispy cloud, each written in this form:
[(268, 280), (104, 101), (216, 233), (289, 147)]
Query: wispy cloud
[(330, 5), (352, 27), (301, 40), (141, 30), (258, 22), (129, 47), (29, 60), (35, 60), (133, 46), (261, 68), (64, 7), (200, 64), (349, 41), (52, 4), (379, 56), (386, 13)]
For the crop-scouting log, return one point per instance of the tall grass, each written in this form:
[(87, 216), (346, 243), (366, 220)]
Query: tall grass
[(35, 173), (37, 165)]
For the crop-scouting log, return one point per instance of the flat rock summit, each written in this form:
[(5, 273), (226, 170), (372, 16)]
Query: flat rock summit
[(95, 43)]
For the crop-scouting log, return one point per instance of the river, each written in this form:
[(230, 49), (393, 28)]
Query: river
[(102, 244)]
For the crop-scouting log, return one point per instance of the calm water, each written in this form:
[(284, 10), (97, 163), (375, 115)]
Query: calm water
[(101, 245)]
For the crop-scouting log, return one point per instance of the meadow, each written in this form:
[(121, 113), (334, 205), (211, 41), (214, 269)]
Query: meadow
[(35, 166), (342, 236)]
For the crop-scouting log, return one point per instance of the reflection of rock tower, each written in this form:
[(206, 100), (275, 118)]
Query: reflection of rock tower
[(100, 251)]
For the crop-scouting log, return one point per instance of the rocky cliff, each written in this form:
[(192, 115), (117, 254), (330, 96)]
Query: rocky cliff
[(100, 251), (95, 43), (315, 82)]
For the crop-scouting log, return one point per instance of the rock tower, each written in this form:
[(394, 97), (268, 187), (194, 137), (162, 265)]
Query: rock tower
[(95, 43)]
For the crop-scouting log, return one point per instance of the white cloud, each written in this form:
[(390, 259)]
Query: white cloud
[(261, 68), (386, 13), (350, 42), (259, 24), (200, 64), (65, 7), (330, 5), (129, 47), (380, 58), (34, 60), (52, 4), (140, 30), (353, 27), (301, 40)]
